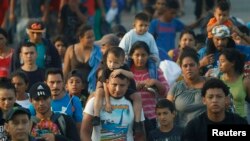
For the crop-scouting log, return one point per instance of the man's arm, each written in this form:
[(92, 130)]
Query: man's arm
[(86, 128)]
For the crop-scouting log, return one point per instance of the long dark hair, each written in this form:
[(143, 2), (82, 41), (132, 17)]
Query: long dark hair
[(212, 49)]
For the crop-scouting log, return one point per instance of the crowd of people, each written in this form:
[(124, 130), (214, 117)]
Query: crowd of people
[(70, 71)]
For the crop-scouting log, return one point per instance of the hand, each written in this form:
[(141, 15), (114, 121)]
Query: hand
[(140, 85), (48, 137), (207, 60), (115, 72), (108, 108), (149, 83)]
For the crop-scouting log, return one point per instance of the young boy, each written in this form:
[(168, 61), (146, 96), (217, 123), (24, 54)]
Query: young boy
[(165, 112), (221, 16), (75, 86), (140, 33), (165, 27), (113, 64)]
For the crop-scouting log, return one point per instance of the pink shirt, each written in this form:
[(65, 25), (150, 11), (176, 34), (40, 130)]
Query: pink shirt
[(148, 99)]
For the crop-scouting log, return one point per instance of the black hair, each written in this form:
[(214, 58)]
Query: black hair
[(83, 29), (21, 75), (187, 31), (223, 5), (116, 51), (121, 76), (142, 17), (236, 57), (212, 49), (59, 38), (4, 33), (137, 45), (172, 4), (53, 71), (165, 103), (5, 83), (214, 83), (189, 52), (27, 44)]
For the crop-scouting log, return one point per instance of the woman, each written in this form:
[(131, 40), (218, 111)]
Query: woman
[(231, 66), (21, 82), (84, 56), (149, 88), (5, 54), (60, 44), (186, 94), (187, 38)]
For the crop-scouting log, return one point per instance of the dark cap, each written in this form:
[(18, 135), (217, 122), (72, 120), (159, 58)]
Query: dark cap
[(75, 73), (39, 89), (110, 39), (36, 26), (17, 110)]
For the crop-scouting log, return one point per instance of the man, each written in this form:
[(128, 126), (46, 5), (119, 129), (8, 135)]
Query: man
[(209, 55), (18, 124), (62, 102), (115, 125), (46, 124), (108, 41), (28, 56), (47, 54), (215, 97)]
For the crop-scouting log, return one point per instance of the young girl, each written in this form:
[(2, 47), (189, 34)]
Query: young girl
[(149, 88), (113, 65), (187, 38)]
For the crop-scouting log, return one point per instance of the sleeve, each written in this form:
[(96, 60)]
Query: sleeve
[(124, 43), (179, 25), (202, 52), (153, 28), (78, 109), (71, 130), (89, 108), (153, 47)]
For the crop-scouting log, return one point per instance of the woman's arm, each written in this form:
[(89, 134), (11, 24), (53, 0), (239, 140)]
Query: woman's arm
[(246, 83), (66, 62)]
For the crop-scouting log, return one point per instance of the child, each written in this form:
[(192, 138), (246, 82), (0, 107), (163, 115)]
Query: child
[(165, 27), (221, 16), (166, 112), (140, 33), (75, 86), (113, 64)]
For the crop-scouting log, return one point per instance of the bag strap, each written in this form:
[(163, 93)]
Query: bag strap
[(59, 117)]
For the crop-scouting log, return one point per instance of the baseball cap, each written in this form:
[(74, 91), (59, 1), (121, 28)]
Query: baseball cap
[(39, 89), (221, 31), (110, 39), (75, 73), (36, 26), (16, 110)]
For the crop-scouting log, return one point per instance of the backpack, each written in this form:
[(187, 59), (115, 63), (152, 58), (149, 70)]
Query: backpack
[(56, 117)]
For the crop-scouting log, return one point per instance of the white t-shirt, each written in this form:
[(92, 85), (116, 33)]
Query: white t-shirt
[(116, 125)]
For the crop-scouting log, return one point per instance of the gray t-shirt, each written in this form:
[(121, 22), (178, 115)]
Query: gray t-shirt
[(188, 102)]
